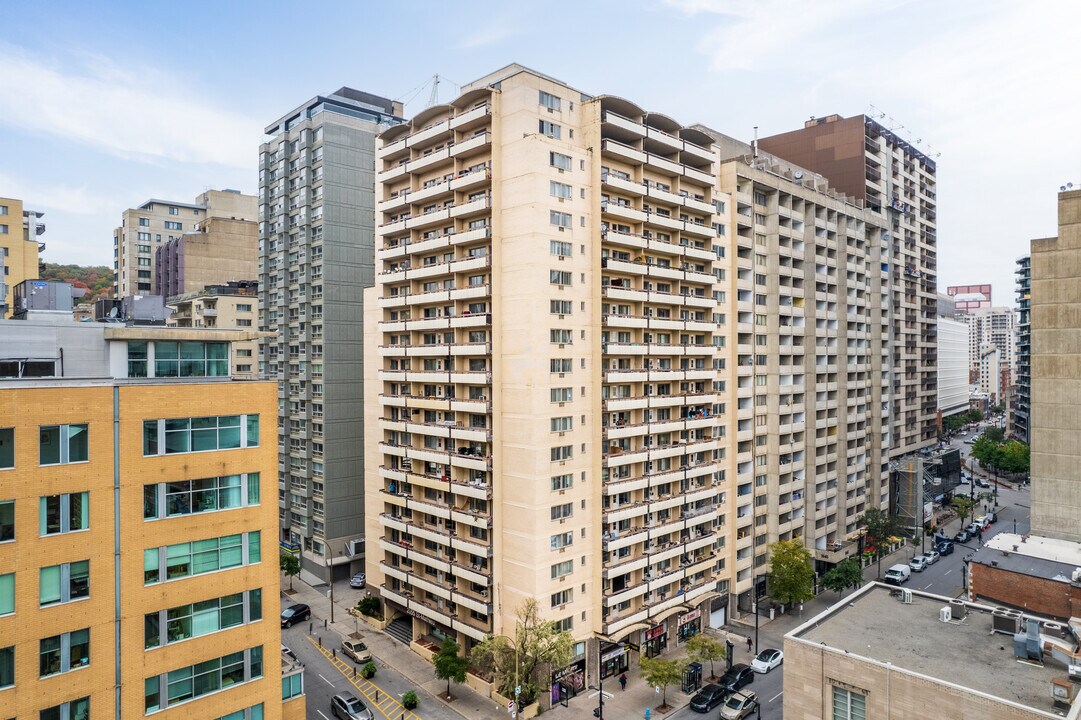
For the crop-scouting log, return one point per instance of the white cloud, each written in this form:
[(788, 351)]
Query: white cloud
[(491, 35), (132, 113)]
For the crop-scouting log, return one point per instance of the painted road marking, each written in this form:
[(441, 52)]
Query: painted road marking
[(321, 713), (387, 706), (776, 696), (947, 572), (328, 682)]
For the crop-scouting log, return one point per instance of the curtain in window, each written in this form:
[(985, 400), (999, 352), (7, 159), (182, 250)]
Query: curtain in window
[(151, 570), (49, 591), (204, 556), (78, 443), (205, 617), (232, 553)]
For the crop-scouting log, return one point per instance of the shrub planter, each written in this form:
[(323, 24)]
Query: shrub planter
[(368, 671), (409, 700)]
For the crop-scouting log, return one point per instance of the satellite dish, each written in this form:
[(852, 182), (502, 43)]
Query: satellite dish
[(798, 174), (114, 312), (1069, 186)]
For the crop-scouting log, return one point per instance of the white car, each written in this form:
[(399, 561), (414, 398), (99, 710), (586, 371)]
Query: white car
[(931, 556), (918, 563), (767, 660)]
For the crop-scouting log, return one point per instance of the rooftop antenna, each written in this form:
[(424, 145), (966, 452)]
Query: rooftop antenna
[(754, 145), (433, 99)]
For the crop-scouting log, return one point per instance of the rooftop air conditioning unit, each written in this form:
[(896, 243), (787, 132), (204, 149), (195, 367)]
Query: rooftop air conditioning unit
[(906, 596), (945, 615), (958, 609)]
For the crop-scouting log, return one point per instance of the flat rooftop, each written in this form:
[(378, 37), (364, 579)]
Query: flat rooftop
[(1033, 555), (874, 625)]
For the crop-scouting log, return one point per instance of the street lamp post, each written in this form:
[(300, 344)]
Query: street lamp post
[(330, 581)]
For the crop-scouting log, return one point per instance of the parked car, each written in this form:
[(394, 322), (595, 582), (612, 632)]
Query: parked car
[(349, 707), (980, 482), (767, 660), (357, 581), (945, 548), (898, 574), (974, 529), (708, 698), (740, 675), (356, 650), (961, 536), (294, 614), (931, 556), (918, 563), (739, 706), (992, 517), (982, 520)]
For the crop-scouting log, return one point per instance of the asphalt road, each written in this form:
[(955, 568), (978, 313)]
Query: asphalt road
[(767, 687)]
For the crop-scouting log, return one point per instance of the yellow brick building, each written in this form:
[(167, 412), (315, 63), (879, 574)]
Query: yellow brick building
[(137, 528), (18, 249)]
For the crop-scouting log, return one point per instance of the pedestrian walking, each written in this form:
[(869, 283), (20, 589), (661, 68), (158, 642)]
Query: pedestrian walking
[(623, 681), (750, 645)]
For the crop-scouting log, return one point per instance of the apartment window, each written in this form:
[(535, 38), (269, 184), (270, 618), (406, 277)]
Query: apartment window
[(71, 710), (557, 160), (559, 512), (63, 653), (3, 229), (201, 618), (59, 514), (190, 497), (62, 444), (562, 394), (7, 665), (172, 225), (243, 308), (201, 434), (562, 482), (144, 237), (562, 424), (550, 129), (563, 452), (562, 568), (549, 101), (172, 562), (144, 222), (560, 190), (255, 712), (562, 540), (559, 219), (565, 625), (173, 211), (561, 336), (243, 322), (561, 249), (561, 365), (64, 583), (187, 683), (186, 358), (7, 594), (7, 520), (848, 705), (558, 277), (7, 448)]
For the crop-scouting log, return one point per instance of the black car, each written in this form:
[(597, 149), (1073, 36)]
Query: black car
[(945, 548), (294, 614), (708, 698), (980, 482), (739, 676), (961, 536)]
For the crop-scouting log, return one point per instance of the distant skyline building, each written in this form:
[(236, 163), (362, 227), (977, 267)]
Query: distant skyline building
[(224, 217), (970, 297), (1022, 397), (1055, 421), (953, 361), (316, 195), (232, 306), (992, 326), (20, 230)]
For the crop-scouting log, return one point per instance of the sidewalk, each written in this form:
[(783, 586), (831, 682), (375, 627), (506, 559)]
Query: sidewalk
[(393, 654)]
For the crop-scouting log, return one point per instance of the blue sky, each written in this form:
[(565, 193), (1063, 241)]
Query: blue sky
[(107, 104)]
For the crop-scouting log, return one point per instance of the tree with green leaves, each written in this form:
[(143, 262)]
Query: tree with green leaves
[(963, 505), (703, 648), (880, 527), (290, 565), (537, 645), (449, 665), (843, 576), (660, 673), (791, 578)]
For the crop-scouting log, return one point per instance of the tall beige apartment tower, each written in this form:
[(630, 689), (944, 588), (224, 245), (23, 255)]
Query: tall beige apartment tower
[(212, 240), (546, 371), (867, 161), (1055, 363)]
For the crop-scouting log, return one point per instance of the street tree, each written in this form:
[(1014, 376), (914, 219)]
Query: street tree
[(843, 576), (964, 506), (449, 665), (880, 527), (538, 645), (660, 673), (290, 565), (791, 578), (703, 648)]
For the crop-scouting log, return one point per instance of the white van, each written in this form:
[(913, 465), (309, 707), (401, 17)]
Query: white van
[(898, 574)]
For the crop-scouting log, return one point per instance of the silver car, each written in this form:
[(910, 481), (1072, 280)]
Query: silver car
[(349, 707)]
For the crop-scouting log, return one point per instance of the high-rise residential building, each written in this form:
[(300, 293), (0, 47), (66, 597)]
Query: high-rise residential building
[(1055, 420), (613, 359), (867, 161), (1022, 397), (992, 326), (316, 180), (138, 562), (233, 306), (19, 248), (988, 374), (968, 298), (212, 240), (953, 361)]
